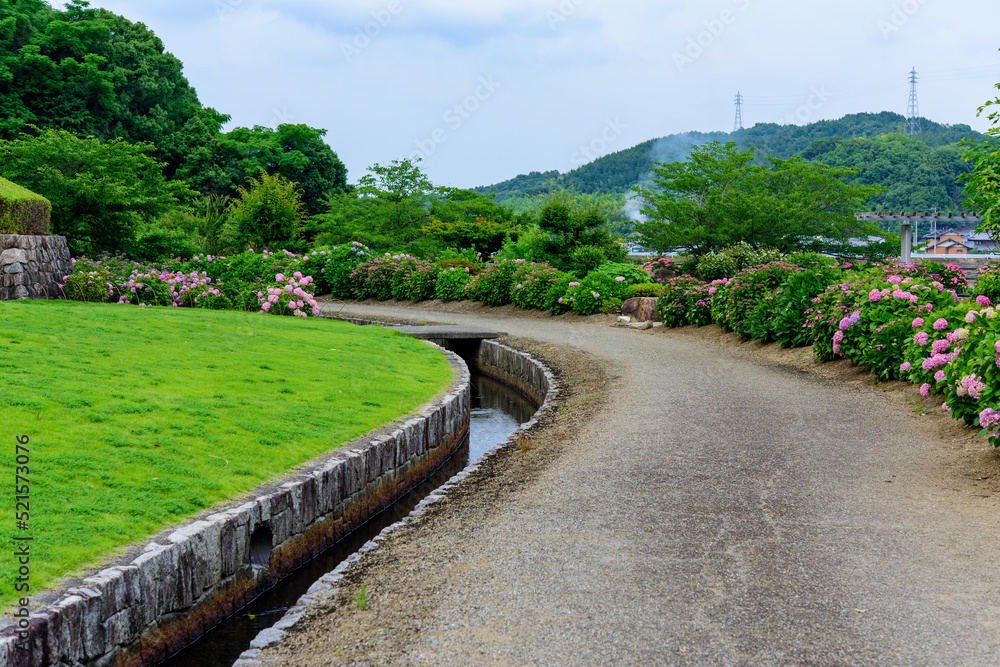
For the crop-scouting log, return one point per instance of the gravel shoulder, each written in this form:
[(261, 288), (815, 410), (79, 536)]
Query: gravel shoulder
[(690, 500)]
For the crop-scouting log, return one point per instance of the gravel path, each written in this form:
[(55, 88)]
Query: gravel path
[(700, 509)]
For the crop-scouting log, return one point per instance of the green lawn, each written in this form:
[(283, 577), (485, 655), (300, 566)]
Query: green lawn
[(139, 417)]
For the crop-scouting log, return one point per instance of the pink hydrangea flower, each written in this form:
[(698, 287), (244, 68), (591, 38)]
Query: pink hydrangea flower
[(988, 418), (920, 338), (918, 322), (983, 301), (940, 324), (905, 366), (925, 389), (970, 317), (939, 376), (940, 346), (874, 295)]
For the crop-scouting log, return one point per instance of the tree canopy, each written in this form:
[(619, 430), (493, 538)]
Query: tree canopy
[(720, 197), (100, 191), (982, 184)]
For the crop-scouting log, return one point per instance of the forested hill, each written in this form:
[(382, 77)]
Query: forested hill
[(917, 171)]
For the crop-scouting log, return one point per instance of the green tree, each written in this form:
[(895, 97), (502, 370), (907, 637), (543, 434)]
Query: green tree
[(386, 211), (982, 185), (719, 197), (296, 152), (100, 191), (574, 231), (267, 214)]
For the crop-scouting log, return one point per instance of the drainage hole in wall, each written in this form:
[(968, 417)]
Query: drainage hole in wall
[(261, 543)]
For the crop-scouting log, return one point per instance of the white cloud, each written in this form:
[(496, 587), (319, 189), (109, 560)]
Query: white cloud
[(566, 68)]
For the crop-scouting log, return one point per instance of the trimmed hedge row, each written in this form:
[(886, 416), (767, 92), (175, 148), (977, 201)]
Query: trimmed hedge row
[(22, 211)]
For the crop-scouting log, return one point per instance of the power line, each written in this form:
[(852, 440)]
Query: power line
[(738, 125)]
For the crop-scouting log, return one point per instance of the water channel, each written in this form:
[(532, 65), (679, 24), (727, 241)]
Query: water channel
[(497, 411)]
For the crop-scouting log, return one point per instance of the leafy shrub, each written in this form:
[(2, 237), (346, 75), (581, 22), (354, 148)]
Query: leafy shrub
[(269, 213), (22, 211), (729, 261), (459, 263), (331, 267), (685, 301), (597, 293), (153, 242), (451, 283), (689, 267), (416, 281), (585, 259), (555, 298), (988, 282), (377, 277), (494, 283), (646, 289), (532, 283), (794, 300), (971, 382), (632, 274), (746, 304)]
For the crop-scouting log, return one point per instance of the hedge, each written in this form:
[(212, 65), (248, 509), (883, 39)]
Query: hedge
[(22, 211)]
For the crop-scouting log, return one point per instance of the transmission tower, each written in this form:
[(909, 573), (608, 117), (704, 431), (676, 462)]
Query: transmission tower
[(738, 125), (912, 110)]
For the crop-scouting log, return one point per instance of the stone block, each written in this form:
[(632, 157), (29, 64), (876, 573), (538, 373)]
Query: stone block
[(307, 511), (354, 474), (13, 256), (373, 462), (387, 454), (92, 630), (149, 567), (71, 640)]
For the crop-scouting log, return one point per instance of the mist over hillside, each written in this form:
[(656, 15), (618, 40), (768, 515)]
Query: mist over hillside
[(916, 172)]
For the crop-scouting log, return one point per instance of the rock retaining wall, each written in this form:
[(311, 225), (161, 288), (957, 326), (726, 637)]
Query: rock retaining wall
[(32, 267), (186, 581), (514, 368)]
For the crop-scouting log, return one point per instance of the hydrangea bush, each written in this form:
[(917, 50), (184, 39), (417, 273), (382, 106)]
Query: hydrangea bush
[(685, 301), (451, 282), (532, 283)]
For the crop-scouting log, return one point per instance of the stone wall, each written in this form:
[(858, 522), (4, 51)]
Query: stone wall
[(187, 580), (32, 267), (516, 369)]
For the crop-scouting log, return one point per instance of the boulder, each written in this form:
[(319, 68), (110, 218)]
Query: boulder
[(641, 308)]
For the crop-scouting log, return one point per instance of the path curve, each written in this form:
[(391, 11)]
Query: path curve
[(714, 511)]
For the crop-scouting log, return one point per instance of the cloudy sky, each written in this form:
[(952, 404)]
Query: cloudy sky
[(483, 90)]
